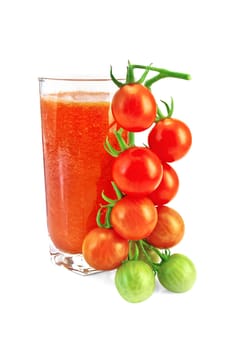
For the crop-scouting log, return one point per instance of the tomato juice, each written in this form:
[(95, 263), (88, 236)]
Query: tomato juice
[(76, 166)]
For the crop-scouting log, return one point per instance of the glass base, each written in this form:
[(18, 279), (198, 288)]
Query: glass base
[(73, 262)]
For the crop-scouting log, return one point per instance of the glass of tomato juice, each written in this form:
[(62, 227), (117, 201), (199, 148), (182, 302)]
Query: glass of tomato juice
[(75, 120)]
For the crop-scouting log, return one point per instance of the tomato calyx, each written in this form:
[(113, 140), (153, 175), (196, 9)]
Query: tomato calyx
[(105, 209), (130, 77), (133, 250), (123, 145), (169, 109), (142, 247), (160, 74)]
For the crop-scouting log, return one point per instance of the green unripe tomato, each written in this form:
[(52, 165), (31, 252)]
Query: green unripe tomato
[(177, 274), (135, 281)]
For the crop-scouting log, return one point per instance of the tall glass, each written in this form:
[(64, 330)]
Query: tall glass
[(75, 119)]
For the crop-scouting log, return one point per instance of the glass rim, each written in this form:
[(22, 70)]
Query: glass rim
[(81, 79)]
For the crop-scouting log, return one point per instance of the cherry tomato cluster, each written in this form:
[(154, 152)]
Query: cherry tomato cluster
[(136, 230)]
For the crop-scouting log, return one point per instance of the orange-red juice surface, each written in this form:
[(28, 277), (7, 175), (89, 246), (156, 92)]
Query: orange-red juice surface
[(77, 168)]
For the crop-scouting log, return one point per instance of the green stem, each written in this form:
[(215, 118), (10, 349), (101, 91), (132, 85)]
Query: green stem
[(131, 138), (143, 77), (116, 82), (130, 74), (170, 109), (163, 73), (118, 193), (107, 207), (110, 149), (106, 223), (151, 81), (121, 142), (163, 256), (133, 250), (152, 264), (123, 145), (141, 243)]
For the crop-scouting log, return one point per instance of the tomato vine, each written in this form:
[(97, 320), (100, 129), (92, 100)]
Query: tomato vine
[(107, 208), (123, 145), (137, 172)]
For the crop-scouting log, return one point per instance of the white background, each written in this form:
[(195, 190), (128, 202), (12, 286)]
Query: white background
[(43, 306)]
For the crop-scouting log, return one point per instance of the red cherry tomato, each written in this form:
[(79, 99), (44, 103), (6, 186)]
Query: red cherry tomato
[(169, 229), (134, 107), (167, 188), (134, 218), (170, 139), (137, 171), (103, 249)]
